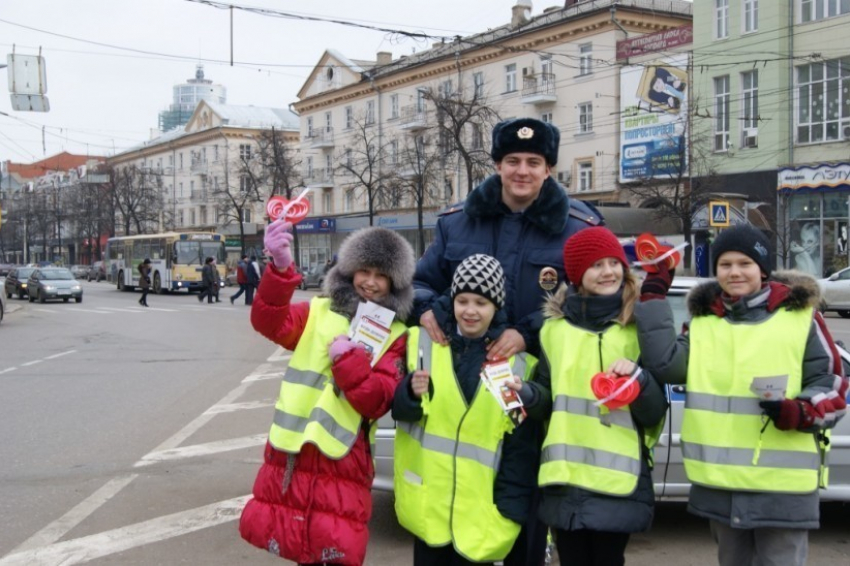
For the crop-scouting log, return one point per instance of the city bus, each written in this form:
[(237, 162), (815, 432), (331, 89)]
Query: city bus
[(177, 259)]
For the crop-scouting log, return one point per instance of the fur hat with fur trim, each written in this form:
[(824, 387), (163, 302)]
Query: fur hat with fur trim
[(586, 247), (747, 240), (526, 135), (381, 249)]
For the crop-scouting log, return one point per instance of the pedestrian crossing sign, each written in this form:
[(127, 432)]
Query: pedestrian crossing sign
[(719, 214)]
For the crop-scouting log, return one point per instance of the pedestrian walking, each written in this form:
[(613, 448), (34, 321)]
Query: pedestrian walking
[(312, 496), (253, 274), (145, 281), (216, 281), (444, 497), (755, 459), (207, 281), (241, 279), (596, 465), (522, 217)]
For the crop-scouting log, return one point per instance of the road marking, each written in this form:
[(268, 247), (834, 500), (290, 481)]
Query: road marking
[(8, 370), (45, 310), (233, 407), (205, 449), (60, 354), (80, 309), (119, 310), (31, 363), (57, 529), (146, 309), (264, 376), (118, 540), (281, 354)]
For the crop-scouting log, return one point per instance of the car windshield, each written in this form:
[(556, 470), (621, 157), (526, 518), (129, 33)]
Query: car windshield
[(56, 274), (25, 273)]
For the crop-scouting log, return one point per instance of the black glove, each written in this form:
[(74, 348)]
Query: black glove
[(657, 284), (786, 414)]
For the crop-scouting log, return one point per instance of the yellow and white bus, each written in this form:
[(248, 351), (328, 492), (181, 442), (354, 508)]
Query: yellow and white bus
[(177, 259)]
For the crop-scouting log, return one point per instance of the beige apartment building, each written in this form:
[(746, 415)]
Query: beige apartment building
[(378, 127), (204, 171)]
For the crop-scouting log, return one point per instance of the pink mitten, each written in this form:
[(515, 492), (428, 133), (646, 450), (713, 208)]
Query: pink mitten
[(340, 346), (278, 243)]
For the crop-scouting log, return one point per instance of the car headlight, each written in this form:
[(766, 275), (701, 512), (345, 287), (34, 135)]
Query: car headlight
[(23, 285), (49, 288), (76, 288)]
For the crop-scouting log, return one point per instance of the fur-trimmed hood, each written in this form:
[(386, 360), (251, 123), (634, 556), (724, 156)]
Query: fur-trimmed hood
[(791, 289), (554, 303), (548, 212), (382, 249)]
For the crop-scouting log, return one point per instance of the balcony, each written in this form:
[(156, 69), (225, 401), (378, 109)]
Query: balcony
[(199, 196), (539, 89), (413, 117), (199, 166), (319, 178), (321, 138)]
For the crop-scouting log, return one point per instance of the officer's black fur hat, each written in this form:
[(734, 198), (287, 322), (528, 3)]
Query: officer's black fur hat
[(526, 135)]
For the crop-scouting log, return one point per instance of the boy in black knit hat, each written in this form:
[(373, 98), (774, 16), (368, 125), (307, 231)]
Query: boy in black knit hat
[(764, 381), (449, 476)]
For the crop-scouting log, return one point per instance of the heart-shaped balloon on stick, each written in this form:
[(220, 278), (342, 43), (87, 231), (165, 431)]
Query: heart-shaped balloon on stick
[(613, 390), (294, 211), (649, 253)]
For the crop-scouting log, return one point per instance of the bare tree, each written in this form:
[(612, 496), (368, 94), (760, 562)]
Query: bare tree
[(463, 117), (137, 196), (361, 164)]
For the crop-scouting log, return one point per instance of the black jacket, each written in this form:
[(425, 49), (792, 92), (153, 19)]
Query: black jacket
[(516, 478)]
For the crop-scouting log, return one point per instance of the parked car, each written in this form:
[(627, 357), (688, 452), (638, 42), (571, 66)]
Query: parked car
[(49, 283), (835, 293), (313, 278), (96, 271), (79, 271), (16, 282), (5, 268), (671, 483)]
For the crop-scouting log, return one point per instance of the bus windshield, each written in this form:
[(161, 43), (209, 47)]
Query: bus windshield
[(192, 252)]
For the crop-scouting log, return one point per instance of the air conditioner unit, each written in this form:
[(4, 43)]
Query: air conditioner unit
[(751, 141), (565, 177), (528, 71)]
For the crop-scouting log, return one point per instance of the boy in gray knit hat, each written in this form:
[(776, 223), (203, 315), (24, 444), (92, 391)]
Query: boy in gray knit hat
[(444, 383)]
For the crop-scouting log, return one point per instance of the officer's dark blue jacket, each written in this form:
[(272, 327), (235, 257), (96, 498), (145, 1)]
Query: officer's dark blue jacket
[(523, 242)]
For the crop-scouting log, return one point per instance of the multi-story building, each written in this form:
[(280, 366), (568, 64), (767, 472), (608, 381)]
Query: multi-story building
[(394, 133), (772, 88), (216, 173), (186, 97)]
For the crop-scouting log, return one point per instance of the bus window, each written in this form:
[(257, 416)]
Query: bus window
[(188, 253)]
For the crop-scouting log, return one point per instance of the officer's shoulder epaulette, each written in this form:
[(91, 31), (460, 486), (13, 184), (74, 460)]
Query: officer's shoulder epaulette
[(585, 212), (451, 209)]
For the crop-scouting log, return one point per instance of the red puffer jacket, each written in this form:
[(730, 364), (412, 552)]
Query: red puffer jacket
[(307, 507)]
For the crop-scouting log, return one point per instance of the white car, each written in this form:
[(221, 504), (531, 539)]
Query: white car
[(835, 292)]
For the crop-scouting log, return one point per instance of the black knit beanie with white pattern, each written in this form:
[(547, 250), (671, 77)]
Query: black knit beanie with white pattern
[(483, 275)]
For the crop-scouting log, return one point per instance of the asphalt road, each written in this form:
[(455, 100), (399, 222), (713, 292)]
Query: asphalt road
[(133, 435)]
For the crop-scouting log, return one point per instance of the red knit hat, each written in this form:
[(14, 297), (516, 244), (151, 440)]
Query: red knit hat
[(586, 247)]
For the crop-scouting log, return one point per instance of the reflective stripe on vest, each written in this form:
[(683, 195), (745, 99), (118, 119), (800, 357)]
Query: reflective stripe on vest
[(310, 408), (722, 440), (446, 464), (588, 446)]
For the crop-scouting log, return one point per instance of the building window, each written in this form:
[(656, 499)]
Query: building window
[(180, 156), (813, 10), (751, 15), (721, 19), (445, 89), (585, 118), (329, 122), (327, 202), (370, 112), (246, 214), (215, 152), (244, 184), (394, 106), (244, 151), (329, 165), (310, 167), (309, 127), (348, 161), (192, 188), (823, 91), (181, 218), (349, 200), (585, 59), (546, 117), (477, 137), (203, 215), (349, 117), (394, 152), (478, 85), (510, 77), (585, 176), (721, 113), (749, 108), (180, 186), (420, 100), (192, 221)]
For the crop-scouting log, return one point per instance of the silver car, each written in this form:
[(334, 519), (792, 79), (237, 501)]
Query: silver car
[(671, 483), (48, 283), (835, 292)]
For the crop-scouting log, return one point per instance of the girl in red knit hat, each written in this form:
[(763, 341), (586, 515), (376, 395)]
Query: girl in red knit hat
[(595, 467)]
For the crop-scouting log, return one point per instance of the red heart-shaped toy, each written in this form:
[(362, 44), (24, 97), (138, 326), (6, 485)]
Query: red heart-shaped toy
[(647, 248), (295, 211), (605, 384)]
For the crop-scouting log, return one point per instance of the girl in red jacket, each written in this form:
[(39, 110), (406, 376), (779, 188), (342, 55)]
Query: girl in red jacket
[(312, 499)]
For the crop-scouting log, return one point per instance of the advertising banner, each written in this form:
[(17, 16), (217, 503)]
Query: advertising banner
[(653, 99)]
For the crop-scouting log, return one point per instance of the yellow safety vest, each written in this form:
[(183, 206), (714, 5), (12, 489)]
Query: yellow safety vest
[(446, 464), (589, 446), (310, 408), (722, 440)]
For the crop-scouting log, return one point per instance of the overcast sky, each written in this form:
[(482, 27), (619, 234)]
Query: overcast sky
[(111, 64)]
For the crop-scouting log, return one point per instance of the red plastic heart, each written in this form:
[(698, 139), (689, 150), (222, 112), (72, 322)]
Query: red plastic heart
[(647, 248), (296, 212), (605, 384)]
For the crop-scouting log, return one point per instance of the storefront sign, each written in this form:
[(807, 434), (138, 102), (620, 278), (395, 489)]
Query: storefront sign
[(655, 42), (317, 226), (815, 177)]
